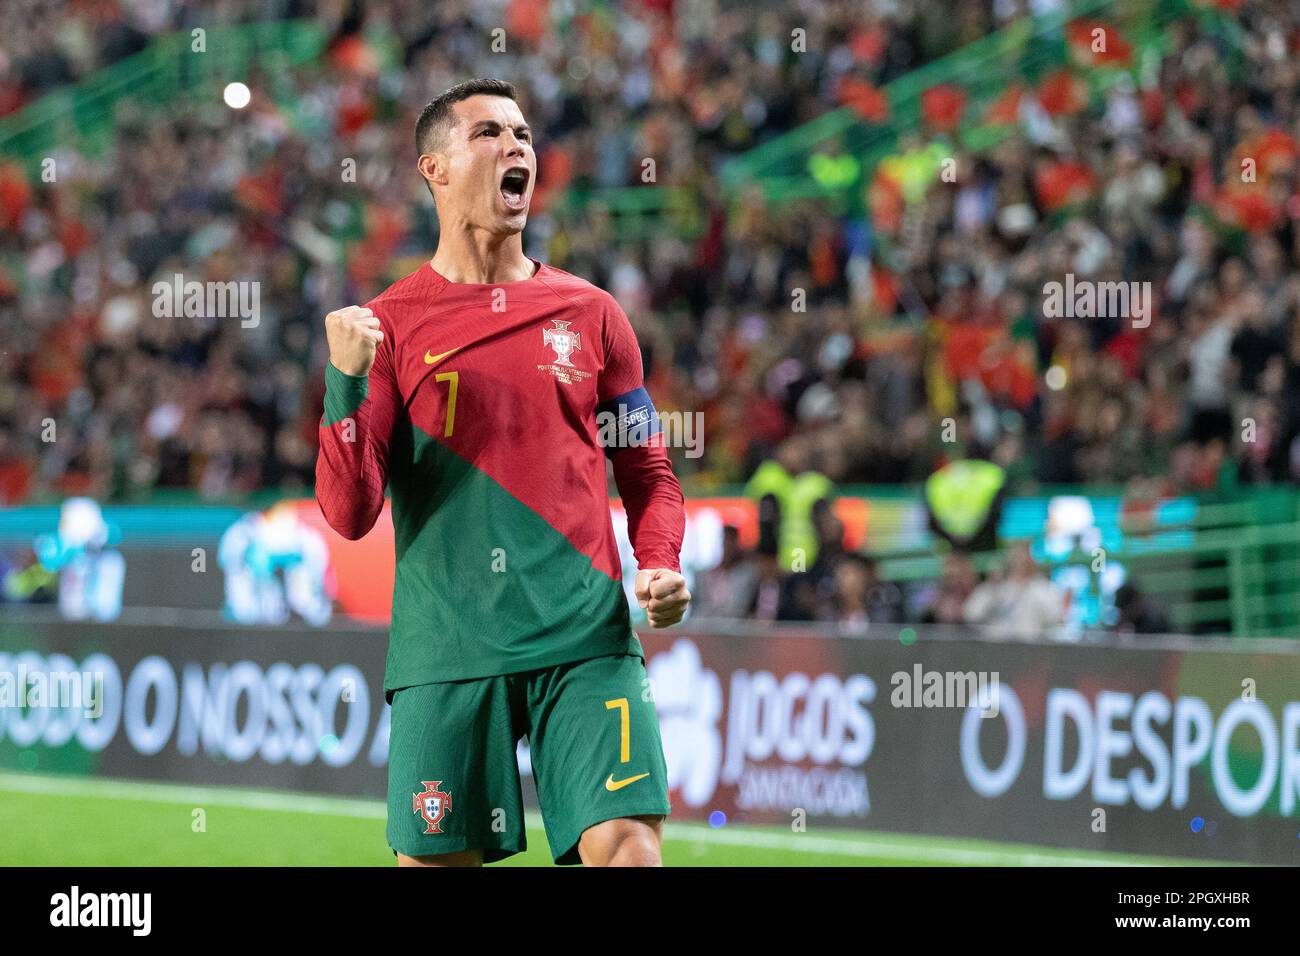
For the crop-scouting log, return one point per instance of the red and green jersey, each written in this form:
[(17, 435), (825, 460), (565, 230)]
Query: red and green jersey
[(480, 414)]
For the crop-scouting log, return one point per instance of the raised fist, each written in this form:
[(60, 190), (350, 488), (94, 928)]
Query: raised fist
[(663, 594), (353, 335)]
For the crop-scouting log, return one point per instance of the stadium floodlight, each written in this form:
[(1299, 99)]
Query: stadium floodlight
[(236, 95)]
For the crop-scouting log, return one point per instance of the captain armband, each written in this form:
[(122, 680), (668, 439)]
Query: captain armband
[(627, 419)]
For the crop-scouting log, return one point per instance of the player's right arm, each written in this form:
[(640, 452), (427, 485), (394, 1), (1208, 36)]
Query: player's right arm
[(362, 401)]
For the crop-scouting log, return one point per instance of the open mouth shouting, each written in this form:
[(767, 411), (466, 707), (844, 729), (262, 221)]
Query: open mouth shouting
[(514, 188)]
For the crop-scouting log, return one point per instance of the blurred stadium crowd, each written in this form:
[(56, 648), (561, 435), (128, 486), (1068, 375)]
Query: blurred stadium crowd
[(928, 306), (1147, 177)]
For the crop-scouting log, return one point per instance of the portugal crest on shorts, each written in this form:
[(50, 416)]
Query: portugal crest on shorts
[(433, 804)]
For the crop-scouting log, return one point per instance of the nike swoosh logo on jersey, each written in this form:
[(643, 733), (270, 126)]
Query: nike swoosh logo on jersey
[(432, 359), (611, 784)]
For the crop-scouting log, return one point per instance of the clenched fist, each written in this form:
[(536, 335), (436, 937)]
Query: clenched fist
[(353, 335), (663, 594)]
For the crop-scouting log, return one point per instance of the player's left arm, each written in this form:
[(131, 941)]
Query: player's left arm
[(652, 497)]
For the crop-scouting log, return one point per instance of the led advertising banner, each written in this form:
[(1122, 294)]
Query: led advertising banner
[(1174, 749)]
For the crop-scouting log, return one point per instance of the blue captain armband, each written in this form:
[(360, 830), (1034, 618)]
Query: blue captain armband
[(627, 419)]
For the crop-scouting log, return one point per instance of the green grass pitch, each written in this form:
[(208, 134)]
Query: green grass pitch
[(79, 821)]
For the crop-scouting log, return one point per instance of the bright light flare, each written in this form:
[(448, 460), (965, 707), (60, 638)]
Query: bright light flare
[(236, 95)]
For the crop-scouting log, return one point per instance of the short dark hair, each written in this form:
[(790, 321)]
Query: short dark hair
[(437, 116)]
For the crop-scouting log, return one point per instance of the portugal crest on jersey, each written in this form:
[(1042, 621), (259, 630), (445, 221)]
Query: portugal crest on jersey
[(563, 341), (432, 804)]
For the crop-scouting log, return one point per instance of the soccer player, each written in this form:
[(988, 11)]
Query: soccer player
[(475, 387)]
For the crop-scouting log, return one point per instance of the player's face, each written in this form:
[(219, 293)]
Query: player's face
[(492, 166)]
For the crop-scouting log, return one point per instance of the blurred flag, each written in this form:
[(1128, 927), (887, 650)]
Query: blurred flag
[(870, 103), (1006, 108), (1095, 44), (942, 106), (1062, 93)]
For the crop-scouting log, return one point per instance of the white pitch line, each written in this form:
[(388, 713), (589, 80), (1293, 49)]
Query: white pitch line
[(882, 848), (856, 846), (152, 792)]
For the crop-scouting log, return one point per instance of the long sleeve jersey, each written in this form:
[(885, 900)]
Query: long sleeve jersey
[(487, 412)]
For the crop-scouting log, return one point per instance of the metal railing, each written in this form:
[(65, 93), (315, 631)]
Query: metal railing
[(1232, 569)]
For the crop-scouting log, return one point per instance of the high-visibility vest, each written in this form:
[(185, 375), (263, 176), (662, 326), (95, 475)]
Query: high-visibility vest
[(961, 493), (796, 497)]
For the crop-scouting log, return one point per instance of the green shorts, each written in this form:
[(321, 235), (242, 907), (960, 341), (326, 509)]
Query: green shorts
[(453, 773)]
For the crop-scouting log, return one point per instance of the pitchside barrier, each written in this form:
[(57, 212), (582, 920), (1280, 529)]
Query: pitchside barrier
[(1213, 567), (1166, 746)]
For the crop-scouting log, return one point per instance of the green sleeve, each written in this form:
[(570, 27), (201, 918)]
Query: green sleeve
[(343, 394)]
